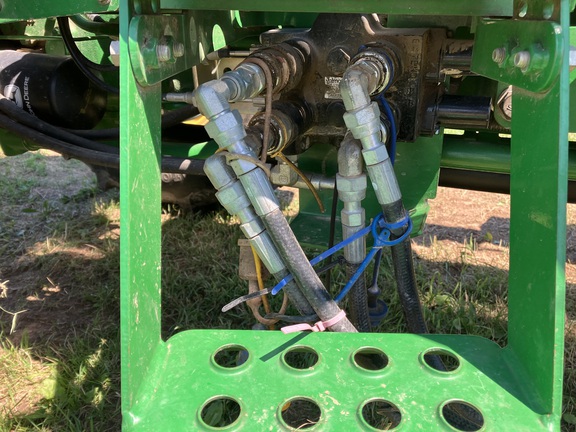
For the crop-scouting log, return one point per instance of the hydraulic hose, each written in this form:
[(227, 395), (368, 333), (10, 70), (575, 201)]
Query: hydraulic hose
[(19, 115), (95, 24), (299, 265), (363, 78), (233, 198), (404, 271), (226, 128), (108, 159), (358, 300)]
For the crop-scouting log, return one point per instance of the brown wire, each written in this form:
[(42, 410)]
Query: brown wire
[(254, 305), (305, 179), (268, 104)]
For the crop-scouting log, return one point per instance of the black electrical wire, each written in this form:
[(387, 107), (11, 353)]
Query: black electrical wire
[(376, 271), (81, 61), (169, 119)]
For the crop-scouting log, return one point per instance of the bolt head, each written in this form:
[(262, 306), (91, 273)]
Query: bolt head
[(163, 52), (178, 49)]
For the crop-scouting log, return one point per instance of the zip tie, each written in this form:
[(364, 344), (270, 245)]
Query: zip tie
[(320, 326)]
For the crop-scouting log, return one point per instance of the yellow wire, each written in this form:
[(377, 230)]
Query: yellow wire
[(287, 161), (258, 265)]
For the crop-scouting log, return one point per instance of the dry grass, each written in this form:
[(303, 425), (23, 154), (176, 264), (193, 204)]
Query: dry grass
[(59, 367)]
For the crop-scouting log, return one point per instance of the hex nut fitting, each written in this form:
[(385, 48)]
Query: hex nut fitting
[(363, 122), (233, 198), (226, 129), (252, 228), (375, 155), (353, 218), (351, 189)]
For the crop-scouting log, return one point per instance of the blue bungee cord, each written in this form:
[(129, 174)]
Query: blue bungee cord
[(381, 239)]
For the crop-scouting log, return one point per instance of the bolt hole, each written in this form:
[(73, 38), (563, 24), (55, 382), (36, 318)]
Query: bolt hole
[(301, 413), (220, 412), (231, 357), (301, 358), (522, 9), (442, 361), (370, 359), (463, 416), (381, 414), (227, 69)]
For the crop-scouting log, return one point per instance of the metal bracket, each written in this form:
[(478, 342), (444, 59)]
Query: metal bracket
[(158, 46), (526, 54)]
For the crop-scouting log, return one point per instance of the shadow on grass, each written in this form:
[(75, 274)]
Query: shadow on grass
[(73, 320)]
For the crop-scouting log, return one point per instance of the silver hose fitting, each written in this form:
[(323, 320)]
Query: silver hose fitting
[(226, 128), (363, 119), (351, 184), (233, 198)]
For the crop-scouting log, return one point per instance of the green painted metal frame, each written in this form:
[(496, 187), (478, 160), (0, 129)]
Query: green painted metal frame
[(18, 10), (165, 384)]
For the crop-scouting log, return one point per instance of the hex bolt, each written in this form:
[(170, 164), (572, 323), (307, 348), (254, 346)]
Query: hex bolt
[(522, 60), (178, 49), (499, 55), (163, 52)]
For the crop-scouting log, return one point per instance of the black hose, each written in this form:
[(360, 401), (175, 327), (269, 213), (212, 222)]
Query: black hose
[(169, 119), (358, 300), (94, 157), (19, 115), (306, 278), (82, 62), (404, 271), (331, 235), (297, 299), (68, 39)]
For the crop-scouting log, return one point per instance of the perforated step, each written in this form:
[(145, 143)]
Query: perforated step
[(266, 381)]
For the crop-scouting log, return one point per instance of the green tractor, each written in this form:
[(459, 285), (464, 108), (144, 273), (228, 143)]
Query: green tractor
[(366, 107)]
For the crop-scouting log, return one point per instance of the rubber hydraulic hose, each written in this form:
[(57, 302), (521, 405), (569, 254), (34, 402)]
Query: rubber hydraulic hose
[(91, 157), (298, 263), (351, 185), (19, 115), (362, 117), (404, 271), (358, 300), (94, 157)]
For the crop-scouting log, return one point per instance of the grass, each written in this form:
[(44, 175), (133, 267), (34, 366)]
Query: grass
[(59, 355)]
